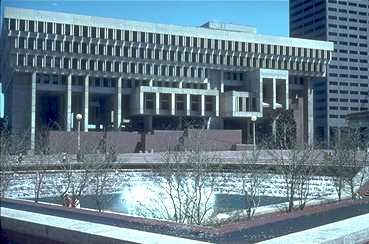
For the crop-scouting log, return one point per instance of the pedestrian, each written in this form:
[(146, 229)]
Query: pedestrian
[(75, 203), (67, 201)]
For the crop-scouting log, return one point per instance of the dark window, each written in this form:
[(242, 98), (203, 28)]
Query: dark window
[(85, 31), (110, 33), (93, 32), (12, 24), (49, 45), (119, 35), (40, 27), (22, 25), (67, 29), (76, 30), (102, 33)]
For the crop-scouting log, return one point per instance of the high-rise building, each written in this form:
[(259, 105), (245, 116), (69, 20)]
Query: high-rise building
[(153, 75), (345, 88)]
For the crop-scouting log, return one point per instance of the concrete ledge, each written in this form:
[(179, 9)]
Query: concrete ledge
[(353, 230), (67, 230)]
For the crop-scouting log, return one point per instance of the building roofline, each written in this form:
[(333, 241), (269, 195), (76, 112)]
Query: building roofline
[(67, 18)]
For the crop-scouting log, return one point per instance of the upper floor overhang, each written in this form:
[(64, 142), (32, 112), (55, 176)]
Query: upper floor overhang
[(200, 32)]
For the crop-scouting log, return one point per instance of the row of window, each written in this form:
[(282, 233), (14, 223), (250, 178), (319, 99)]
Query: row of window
[(180, 100), (349, 3), (166, 39), (333, 91), (331, 33), (335, 116), (343, 67), (343, 108), (346, 100), (120, 66), (109, 82), (355, 20), (335, 83), (99, 65), (351, 12), (346, 51)]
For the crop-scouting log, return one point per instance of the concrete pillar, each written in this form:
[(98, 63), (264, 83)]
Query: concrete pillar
[(33, 111), (69, 103), (308, 111), (202, 104), (274, 101), (188, 104), (118, 104), (221, 81), (157, 103), (86, 104), (141, 102), (173, 103), (217, 105)]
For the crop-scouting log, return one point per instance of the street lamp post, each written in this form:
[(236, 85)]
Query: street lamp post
[(79, 118), (253, 119)]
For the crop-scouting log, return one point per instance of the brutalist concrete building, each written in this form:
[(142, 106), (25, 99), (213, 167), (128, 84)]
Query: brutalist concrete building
[(345, 89), (153, 76)]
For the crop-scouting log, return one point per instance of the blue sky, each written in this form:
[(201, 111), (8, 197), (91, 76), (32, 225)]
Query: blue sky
[(269, 17)]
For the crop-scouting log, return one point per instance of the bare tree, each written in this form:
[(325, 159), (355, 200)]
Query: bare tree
[(103, 177), (11, 156), (188, 181), (296, 167), (347, 157), (253, 179), (75, 178), (295, 164)]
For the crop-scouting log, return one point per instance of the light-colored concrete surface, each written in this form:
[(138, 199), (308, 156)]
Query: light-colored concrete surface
[(352, 230), (77, 231)]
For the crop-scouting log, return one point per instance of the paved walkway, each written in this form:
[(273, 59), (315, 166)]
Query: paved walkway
[(239, 233)]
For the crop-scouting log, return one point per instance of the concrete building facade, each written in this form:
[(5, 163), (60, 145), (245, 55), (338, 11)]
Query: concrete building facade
[(345, 88), (155, 76)]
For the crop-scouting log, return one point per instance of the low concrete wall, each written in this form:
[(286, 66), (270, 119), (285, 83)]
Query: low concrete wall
[(124, 142), (62, 141), (217, 140), (51, 229), (128, 142), (210, 140), (352, 230), (161, 140)]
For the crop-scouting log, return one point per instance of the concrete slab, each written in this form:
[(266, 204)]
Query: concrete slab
[(77, 231)]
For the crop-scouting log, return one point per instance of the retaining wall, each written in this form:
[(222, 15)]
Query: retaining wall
[(129, 142)]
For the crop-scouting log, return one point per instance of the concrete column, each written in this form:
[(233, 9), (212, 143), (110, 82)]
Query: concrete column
[(202, 105), (188, 104), (308, 111), (157, 103), (69, 103), (221, 81), (141, 101), (173, 103), (86, 104), (33, 111), (217, 105), (274, 101), (118, 104)]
